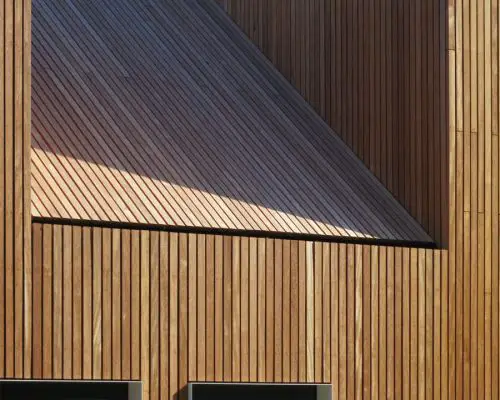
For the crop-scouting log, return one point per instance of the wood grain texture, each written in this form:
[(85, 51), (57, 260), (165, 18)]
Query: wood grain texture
[(453, 344), (402, 322), (373, 71), (361, 291), (172, 117), (15, 210)]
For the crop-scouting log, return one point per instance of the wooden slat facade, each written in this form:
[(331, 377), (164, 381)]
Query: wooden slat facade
[(15, 177), (377, 322), (376, 72), (239, 309), (173, 118)]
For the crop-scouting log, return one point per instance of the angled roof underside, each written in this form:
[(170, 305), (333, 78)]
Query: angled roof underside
[(162, 112)]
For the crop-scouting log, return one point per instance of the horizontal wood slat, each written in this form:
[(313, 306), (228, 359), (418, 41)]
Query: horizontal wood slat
[(146, 112)]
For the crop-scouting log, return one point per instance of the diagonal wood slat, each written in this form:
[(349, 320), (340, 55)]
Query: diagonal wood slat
[(165, 114)]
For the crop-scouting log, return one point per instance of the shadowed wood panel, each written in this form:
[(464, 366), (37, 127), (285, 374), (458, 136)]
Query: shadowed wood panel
[(15, 208), (146, 112), (375, 72)]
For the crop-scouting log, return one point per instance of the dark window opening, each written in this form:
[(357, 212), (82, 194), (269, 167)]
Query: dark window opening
[(204, 391), (39, 390)]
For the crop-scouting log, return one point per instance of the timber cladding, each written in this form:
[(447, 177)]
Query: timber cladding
[(168, 308), (15, 212), (376, 72), (177, 119), (387, 322)]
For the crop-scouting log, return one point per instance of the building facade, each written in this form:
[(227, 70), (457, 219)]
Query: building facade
[(413, 88)]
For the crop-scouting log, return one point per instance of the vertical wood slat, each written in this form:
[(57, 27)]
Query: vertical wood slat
[(201, 334), (97, 296), (37, 300), (156, 255), (192, 306), (145, 311), (107, 301), (219, 309), (87, 300), (294, 311), (286, 311), (369, 349), (116, 306), (227, 308), (67, 302), (236, 320), (210, 305), (16, 316), (326, 336), (57, 293), (278, 310), (135, 302), (183, 316), (125, 295), (76, 266), (270, 317), (168, 255)]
